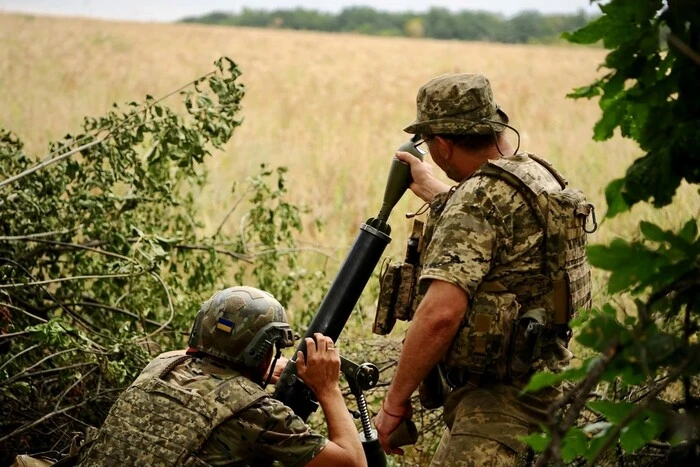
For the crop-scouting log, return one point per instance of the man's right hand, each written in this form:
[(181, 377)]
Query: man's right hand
[(320, 370), (425, 185)]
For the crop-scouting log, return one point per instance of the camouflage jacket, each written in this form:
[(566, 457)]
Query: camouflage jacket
[(484, 231), (198, 414)]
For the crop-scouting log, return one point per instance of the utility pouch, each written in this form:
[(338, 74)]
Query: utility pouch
[(526, 344), (433, 390), (385, 319), (482, 343), (397, 285)]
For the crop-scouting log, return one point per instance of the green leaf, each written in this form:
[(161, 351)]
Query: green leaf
[(545, 379), (575, 444), (600, 331), (613, 411), (612, 116), (592, 32), (632, 437), (613, 197), (585, 92), (537, 441), (652, 231), (689, 232), (610, 257)]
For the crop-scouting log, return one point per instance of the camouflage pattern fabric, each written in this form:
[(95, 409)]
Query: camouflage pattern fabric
[(232, 319), (459, 103), (199, 414), (484, 424), (563, 214), (486, 232)]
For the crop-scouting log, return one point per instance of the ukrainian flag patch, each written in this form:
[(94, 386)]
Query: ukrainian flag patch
[(225, 325)]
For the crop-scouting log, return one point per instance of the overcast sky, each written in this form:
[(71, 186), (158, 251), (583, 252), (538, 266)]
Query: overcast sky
[(170, 10)]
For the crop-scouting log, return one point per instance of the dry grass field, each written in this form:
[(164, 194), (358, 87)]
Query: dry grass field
[(329, 106)]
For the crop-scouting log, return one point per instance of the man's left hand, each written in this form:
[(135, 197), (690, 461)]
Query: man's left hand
[(387, 422)]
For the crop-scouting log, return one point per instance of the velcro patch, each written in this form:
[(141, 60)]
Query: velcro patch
[(225, 325)]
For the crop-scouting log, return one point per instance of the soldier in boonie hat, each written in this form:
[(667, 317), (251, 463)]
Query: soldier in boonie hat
[(485, 236), (456, 104)]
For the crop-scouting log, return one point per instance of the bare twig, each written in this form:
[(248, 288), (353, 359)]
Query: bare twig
[(22, 310), (683, 48), (10, 335), (60, 398), (59, 369), (170, 306), (19, 354), (655, 391), (577, 397), (35, 235), (65, 279), (233, 208), (232, 254), (286, 251), (87, 248), (113, 308), (56, 300), (25, 370), (48, 416), (51, 161)]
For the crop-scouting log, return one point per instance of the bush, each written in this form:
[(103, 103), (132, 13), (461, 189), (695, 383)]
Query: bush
[(104, 258)]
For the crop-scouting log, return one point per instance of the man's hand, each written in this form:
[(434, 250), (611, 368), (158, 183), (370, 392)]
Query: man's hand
[(386, 422), (277, 370), (320, 370), (424, 184)]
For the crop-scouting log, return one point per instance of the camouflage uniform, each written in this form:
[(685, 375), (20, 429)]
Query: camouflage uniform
[(482, 232), (487, 232), (242, 424)]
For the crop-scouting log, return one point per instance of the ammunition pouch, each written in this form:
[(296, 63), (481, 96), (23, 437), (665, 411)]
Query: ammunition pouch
[(482, 342), (396, 286), (398, 294), (497, 343)]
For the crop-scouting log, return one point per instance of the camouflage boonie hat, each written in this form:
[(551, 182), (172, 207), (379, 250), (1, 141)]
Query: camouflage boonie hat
[(454, 104)]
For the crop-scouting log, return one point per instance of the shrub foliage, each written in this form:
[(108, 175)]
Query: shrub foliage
[(635, 398), (104, 256)]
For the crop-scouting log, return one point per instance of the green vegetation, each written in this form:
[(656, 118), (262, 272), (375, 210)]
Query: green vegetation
[(643, 353), (437, 23), (104, 260)]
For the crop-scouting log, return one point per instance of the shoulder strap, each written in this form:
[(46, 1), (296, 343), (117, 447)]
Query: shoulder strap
[(555, 173), (534, 194)]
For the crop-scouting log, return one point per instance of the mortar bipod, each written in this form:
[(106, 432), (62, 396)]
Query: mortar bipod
[(361, 378)]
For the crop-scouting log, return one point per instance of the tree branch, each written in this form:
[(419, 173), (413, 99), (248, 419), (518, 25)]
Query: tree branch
[(577, 396), (232, 254), (683, 48), (38, 421), (638, 408)]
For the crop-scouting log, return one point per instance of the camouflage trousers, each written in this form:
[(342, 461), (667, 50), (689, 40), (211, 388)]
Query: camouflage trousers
[(485, 424)]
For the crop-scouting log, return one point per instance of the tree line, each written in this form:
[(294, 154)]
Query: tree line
[(436, 23)]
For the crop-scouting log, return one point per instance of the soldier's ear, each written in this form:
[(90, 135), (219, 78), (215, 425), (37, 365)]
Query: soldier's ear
[(445, 147)]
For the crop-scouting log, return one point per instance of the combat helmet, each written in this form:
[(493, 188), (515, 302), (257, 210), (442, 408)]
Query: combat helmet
[(240, 325)]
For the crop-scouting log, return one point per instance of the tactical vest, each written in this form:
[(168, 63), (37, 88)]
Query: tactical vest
[(498, 336), (154, 423), (563, 216)]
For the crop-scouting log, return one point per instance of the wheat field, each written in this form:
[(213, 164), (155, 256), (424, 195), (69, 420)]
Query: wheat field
[(331, 107)]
